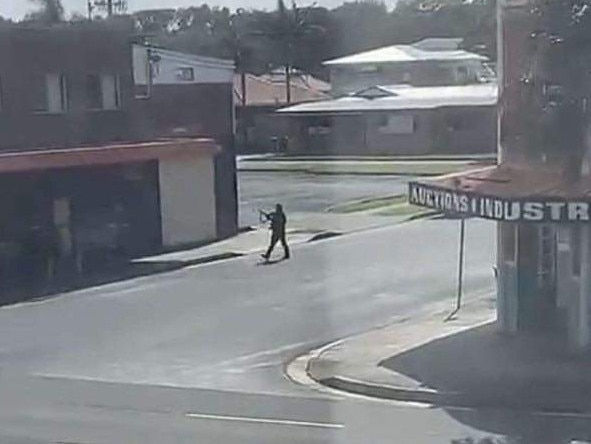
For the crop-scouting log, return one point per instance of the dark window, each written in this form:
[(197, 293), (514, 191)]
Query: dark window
[(102, 92), (467, 121), (185, 74), (49, 93), (94, 96), (575, 243)]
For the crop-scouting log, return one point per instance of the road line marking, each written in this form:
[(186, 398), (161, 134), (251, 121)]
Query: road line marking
[(564, 414), (287, 422)]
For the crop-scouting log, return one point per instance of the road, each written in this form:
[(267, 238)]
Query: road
[(198, 355), (308, 193)]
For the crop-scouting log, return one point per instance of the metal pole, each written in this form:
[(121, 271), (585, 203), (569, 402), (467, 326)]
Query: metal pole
[(461, 262), (460, 270)]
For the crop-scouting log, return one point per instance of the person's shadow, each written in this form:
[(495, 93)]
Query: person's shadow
[(270, 262)]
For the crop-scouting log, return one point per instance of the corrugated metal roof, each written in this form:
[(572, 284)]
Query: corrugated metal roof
[(269, 90), (405, 97), (403, 53), (439, 43)]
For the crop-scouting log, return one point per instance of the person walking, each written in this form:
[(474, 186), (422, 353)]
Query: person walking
[(278, 221)]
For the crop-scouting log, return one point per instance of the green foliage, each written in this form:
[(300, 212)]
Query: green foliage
[(303, 37), (49, 12), (557, 80)]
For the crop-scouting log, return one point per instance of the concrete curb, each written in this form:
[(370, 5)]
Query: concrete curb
[(390, 392), (566, 405)]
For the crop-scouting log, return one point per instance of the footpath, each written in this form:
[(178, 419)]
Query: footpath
[(464, 362)]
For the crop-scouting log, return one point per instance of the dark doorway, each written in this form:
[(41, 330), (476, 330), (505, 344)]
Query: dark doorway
[(536, 262)]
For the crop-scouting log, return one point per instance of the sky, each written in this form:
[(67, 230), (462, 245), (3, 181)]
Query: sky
[(18, 8)]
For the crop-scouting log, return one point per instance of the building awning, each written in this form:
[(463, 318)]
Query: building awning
[(43, 159), (507, 193)]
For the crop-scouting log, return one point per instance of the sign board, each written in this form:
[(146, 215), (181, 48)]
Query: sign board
[(534, 209)]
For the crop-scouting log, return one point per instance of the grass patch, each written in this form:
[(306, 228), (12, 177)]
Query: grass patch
[(404, 209), (368, 204)]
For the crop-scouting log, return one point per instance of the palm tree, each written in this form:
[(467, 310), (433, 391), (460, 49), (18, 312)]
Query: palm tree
[(50, 11)]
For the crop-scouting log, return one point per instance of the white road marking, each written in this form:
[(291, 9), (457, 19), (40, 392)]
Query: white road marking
[(564, 414), (247, 419)]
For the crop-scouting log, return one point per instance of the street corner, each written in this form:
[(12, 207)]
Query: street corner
[(467, 363)]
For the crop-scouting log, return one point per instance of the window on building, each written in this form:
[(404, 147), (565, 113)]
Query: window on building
[(103, 92), (397, 124), (185, 74), (463, 121), (319, 125), (50, 93), (575, 248)]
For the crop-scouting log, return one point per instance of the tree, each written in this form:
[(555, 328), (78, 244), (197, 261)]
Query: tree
[(50, 12), (286, 30), (557, 81)]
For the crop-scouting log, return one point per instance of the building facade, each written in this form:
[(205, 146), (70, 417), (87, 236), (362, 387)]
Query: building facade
[(429, 62), (86, 171), (184, 95), (257, 97), (540, 191), (426, 98)]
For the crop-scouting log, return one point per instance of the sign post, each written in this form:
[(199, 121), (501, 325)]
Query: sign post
[(460, 270)]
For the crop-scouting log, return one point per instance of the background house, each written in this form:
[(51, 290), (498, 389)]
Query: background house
[(259, 128), (87, 163), (401, 100), (429, 62)]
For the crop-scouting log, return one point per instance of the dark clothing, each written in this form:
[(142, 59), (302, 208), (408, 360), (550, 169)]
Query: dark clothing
[(274, 239), (278, 223)]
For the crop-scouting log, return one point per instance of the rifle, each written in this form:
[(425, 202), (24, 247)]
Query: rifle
[(264, 217)]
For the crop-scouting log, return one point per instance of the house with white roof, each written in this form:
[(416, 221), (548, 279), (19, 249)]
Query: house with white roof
[(429, 62), (425, 98)]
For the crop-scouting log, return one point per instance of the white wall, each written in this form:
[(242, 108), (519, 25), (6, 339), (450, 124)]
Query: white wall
[(187, 200), (166, 69)]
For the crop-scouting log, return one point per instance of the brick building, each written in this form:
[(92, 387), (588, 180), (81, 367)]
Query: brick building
[(540, 191), (89, 166)]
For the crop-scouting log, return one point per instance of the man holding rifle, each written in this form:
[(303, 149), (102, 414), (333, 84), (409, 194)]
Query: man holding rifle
[(277, 222)]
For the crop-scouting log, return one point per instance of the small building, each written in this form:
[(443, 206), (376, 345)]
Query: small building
[(540, 192), (259, 128), (388, 120), (429, 62), (90, 166), (426, 98)]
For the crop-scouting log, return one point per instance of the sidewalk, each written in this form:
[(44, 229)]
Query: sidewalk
[(304, 227), (465, 363), (247, 242)]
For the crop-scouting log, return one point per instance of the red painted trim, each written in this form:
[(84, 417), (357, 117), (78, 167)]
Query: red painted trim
[(105, 154)]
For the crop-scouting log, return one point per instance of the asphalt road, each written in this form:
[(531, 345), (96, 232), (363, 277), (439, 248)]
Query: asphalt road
[(198, 355), (308, 193)]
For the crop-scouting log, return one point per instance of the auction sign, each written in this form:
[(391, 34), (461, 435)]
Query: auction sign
[(534, 209)]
